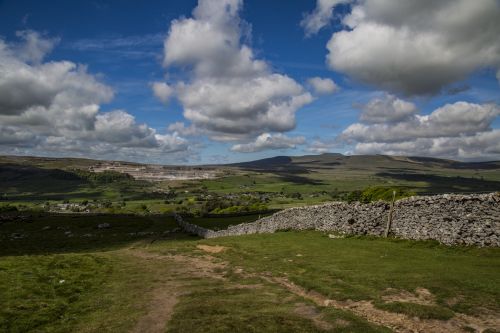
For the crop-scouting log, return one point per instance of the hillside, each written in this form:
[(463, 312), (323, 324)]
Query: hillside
[(426, 175), (275, 183), (363, 162)]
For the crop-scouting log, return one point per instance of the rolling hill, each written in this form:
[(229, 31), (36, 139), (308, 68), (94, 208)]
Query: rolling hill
[(316, 178)]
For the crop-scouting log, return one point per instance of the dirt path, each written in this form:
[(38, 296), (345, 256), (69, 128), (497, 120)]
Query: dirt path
[(160, 310), (163, 299), (165, 296), (396, 321)]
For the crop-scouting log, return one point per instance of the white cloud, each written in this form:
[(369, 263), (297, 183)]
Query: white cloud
[(322, 86), (24, 86), (320, 16), (112, 47), (388, 109), (11, 135), (162, 91), (481, 146), (416, 47), (54, 108), (451, 120), (323, 146), (460, 130), (243, 107), (229, 95), (269, 141), (34, 47), (181, 128)]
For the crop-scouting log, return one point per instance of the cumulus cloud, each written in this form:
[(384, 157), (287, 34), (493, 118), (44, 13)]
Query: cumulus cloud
[(11, 135), (388, 109), (34, 47), (229, 95), (320, 16), (54, 108), (267, 141), (481, 146), (162, 91), (451, 120), (323, 146), (460, 130), (182, 129), (24, 86), (323, 86), (237, 108), (416, 47)]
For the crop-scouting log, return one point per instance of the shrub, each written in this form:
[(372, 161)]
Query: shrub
[(102, 177), (8, 208), (384, 193), (354, 196)]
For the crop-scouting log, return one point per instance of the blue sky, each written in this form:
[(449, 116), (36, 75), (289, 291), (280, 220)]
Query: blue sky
[(383, 101)]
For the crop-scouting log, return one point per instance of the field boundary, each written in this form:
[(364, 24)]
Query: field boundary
[(451, 219)]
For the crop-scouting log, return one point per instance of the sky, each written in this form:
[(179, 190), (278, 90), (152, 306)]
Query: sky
[(223, 81)]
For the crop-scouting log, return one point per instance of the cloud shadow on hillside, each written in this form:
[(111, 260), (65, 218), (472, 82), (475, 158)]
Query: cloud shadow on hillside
[(442, 184)]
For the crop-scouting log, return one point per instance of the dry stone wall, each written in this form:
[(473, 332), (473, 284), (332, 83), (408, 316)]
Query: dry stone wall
[(449, 219)]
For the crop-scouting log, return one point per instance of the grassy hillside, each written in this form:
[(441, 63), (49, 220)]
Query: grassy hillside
[(62, 274), (274, 183), (133, 270), (346, 173)]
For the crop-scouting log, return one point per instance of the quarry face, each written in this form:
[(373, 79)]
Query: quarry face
[(157, 172)]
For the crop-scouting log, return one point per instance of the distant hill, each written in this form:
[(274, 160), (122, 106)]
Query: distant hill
[(49, 162), (309, 173), (333, 160), (279, 163)]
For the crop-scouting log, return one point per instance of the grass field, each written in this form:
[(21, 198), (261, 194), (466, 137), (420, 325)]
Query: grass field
[(60, 233), (121, 279)]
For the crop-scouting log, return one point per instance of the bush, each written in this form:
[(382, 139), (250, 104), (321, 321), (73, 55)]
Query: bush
[(295, 195), (102, 177), (256, 207), (354, 196), (376, 193), (8, 208)]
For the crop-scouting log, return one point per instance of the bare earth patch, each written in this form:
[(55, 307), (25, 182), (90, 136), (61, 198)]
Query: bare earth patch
[(420, 296), (159, 312), (211, 248)]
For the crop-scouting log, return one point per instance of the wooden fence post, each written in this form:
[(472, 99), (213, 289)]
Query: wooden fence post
[(389, 218)]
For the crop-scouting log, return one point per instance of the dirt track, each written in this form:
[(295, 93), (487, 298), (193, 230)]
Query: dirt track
[(166, 295)]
